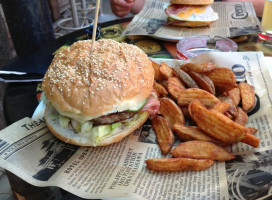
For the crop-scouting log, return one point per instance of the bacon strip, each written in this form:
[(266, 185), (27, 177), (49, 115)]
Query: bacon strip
[(152, 105), (174, 9)]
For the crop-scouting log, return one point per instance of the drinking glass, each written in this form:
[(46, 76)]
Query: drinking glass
[(267, 21)]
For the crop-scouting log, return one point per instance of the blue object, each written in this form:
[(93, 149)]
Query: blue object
[(89, 32), (29, 24)]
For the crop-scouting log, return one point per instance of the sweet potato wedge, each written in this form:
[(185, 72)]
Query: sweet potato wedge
[(164, 134), (201, 150), (178, 164)]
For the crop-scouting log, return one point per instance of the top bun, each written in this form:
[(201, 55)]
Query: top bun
[(84, 85), (192, 2)]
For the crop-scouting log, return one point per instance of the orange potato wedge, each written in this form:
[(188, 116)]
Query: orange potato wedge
[(233, 108), (216, 124), (223, 78), (227, 114), (198, 67), (247, 96), (161, 91), (157, 73), (188, 133), (166, 71), (185, 78), (234, 94), (221, 107), (175, 87), (178, 164), (185, 112), (171, 112), (190, 94), (252, 130), (201, 150), (241, 117), (164, 83), (203, 81), (251, 140), (163, 132)]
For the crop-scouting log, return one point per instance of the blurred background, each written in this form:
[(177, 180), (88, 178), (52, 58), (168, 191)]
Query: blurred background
[(66, 15)]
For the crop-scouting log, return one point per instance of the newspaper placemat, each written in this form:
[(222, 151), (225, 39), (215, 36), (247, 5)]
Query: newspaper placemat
[(235, 19), (30, 151)]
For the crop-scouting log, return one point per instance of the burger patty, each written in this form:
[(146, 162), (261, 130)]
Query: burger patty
[(113, 118)]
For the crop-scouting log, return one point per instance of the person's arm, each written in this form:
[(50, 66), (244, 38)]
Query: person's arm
[(137, 6), (122, 7), (258, 6)]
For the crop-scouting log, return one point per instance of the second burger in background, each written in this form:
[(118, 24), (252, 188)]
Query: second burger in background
[(98, 98), (191, 13)]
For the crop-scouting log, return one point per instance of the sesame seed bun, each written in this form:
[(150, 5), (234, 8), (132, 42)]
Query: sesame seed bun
[(68, 135), (192, 2), (84, 85), (193, 23)]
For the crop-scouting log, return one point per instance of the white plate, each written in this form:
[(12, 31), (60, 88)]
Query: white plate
[(39, 111)]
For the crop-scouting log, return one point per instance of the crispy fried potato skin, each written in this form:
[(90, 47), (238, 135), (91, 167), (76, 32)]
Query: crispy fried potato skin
[(203, 81), (216, 124), (178, 164), (247, 96), (198, 67), (171, 112), (223, 78), (190, 94), (214, 108), (188, 133), (175, 87), (164, 134), (201, 150)]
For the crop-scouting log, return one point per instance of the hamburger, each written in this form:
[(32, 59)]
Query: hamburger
[(98, 98), (190, 13)]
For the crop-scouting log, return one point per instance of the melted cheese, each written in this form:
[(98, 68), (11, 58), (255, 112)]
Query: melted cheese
[(195, 13), (191, 10)]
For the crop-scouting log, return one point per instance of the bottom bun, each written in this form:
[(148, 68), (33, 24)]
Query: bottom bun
[(189, 23), (68, 134)]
